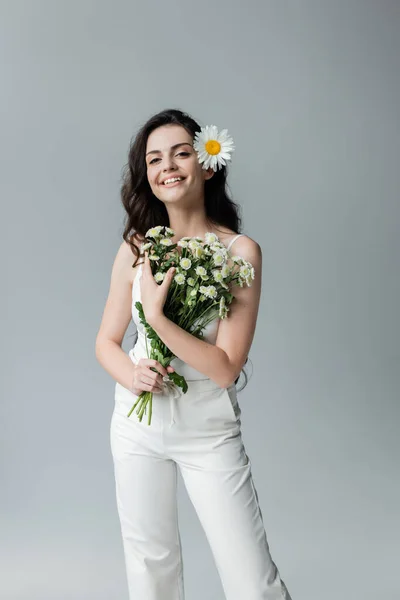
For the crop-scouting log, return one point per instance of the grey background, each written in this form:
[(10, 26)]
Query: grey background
[(310, 92)]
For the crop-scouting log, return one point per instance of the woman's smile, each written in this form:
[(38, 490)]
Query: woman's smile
[(172, 182)]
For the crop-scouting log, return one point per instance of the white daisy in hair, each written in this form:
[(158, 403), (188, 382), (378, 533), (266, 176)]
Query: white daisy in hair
[(213, 148)]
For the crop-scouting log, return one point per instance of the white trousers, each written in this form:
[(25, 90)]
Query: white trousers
[(199, 431)]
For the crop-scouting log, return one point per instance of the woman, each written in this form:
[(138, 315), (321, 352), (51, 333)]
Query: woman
[(169, 183)]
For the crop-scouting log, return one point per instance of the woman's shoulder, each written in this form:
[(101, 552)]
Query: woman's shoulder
[(243, 246)]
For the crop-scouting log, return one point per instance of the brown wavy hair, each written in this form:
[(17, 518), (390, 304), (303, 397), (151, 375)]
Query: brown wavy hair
[(144, 210)]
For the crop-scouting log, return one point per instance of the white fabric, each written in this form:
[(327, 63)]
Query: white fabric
[(205, 442)]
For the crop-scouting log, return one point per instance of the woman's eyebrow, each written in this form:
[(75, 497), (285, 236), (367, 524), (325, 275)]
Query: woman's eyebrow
[(172, 148)]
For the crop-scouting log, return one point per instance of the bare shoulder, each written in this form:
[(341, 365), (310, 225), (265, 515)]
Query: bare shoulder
[(247, 248)]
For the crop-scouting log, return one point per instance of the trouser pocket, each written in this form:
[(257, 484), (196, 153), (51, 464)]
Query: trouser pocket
[(230, 403)]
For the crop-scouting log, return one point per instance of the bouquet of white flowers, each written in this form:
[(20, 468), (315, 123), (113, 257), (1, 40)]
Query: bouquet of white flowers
[(198, 294)]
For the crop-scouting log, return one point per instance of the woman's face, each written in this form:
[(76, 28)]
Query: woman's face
[(170, 155)]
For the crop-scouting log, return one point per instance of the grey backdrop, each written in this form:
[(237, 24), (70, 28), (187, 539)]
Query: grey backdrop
[(310, 92)]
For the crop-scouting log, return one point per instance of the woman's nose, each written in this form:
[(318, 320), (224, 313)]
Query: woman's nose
[(168, 164)]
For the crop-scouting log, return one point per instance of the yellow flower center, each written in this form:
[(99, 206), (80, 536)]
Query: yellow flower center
[(213, 147)]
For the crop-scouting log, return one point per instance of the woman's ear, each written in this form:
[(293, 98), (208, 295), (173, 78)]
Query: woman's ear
[(208, 173)]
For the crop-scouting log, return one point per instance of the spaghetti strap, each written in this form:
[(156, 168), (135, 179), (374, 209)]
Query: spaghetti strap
[(234, 239), (137, 277)]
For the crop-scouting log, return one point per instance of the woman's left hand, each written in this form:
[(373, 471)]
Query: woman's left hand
[(153, 295)]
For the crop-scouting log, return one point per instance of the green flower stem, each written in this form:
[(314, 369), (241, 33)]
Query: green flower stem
[(136, 403)]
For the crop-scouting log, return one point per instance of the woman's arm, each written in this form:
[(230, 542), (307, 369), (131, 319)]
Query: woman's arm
[(116, 318), (223, 361)]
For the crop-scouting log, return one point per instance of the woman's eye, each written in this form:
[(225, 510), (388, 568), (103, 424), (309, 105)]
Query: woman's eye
[(179, 154)]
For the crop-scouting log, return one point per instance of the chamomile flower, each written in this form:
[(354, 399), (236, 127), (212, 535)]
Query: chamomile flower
[(210, 238), (145, 247), (153, 257), (159, 276), (237, 259), (169, 231), (198, 252), (221, 248), (218, 258), (185, 263), (193, 244), (183, 243), (213, 148), (217, 276), (223, 309), (225, 271), (191, 281), (154, 232), (166, 242), (201, 271), (244, 271), (209, 291), (180, 278)]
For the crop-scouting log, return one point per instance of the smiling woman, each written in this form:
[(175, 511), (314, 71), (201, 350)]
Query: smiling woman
[(175, 181)]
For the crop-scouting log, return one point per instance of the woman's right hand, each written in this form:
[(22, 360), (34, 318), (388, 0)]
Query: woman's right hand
[(146, 380)]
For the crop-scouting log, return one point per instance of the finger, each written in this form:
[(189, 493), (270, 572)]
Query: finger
[(154, 364), (156, 377), (162, 370), (152, 383), (169, 276), (147, 261), (150, 362)]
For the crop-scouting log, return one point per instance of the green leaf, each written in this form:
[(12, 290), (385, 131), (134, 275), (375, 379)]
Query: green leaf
[(179, 380)]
